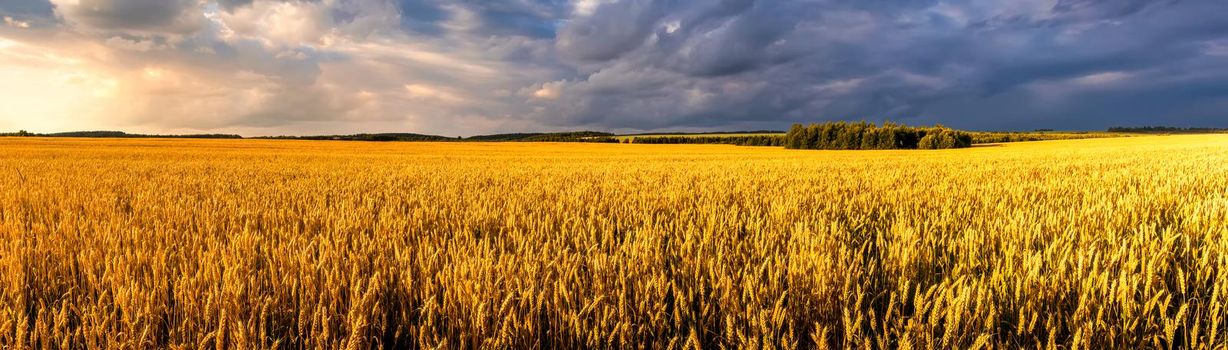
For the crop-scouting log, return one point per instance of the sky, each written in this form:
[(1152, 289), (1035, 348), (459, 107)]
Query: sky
[(460, 68)]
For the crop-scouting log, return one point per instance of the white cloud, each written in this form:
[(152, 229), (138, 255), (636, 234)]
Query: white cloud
[(673, 26), (428, 93), (16, 23), (584, 8), (279, 23), (549, 91)]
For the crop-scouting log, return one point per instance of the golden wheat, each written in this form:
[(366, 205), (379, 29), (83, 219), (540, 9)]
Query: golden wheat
[(1103, 243)]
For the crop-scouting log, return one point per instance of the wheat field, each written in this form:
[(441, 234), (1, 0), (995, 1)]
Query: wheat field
[(243, 244)]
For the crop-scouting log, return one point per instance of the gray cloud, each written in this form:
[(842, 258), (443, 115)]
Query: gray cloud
[(26, 8), (178, 16)]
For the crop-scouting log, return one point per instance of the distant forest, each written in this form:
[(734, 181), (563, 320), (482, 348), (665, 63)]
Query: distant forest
[(364, 137), (713, 133), (575, 136), (1165, 129), (740, 140)]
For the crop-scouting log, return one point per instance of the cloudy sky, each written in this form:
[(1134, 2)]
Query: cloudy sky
[(271, 67)]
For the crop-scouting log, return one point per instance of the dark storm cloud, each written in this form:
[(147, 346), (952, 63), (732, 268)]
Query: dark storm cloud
[(965, 63), (618, 29)]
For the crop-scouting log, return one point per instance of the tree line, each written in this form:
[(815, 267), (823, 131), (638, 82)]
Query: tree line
[(863, 135), (830, 135), (577, 136), (741, 140), (383, 137), (1007, 136), (1164, 129), (119, 134)]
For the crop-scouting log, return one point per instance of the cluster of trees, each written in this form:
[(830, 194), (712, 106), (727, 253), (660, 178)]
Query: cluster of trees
[(863, 135), (740, 140), (1164, 129), (19, 133)]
